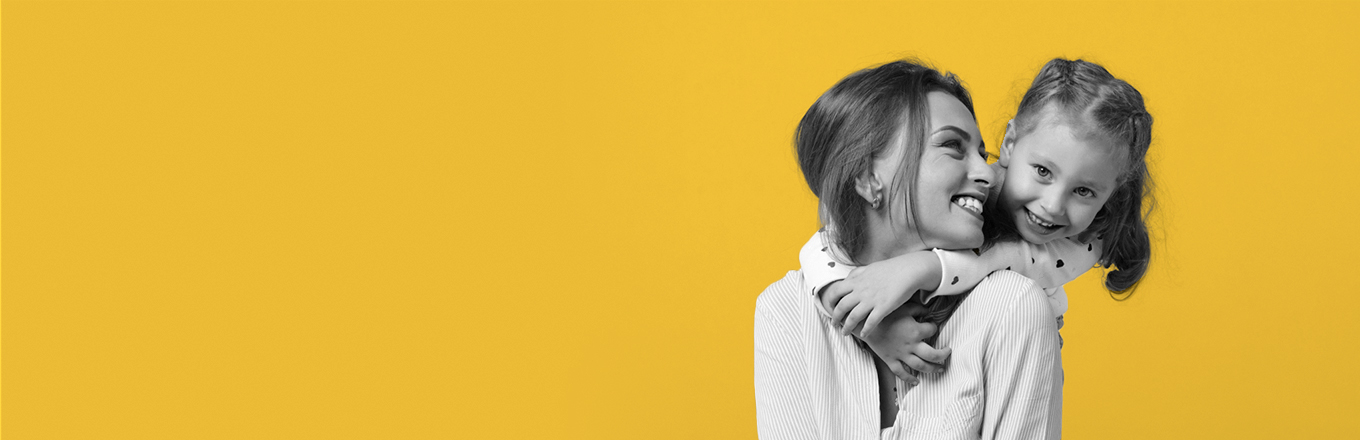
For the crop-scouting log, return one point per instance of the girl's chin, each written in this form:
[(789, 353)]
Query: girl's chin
[(1031, 237)]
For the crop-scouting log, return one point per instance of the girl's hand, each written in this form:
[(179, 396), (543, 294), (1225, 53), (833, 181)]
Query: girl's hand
[(899, 343), (871, 292)]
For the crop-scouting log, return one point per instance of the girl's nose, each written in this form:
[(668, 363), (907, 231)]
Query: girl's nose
[(1054, 202)]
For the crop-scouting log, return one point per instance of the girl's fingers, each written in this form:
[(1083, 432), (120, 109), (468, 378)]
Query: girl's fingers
[(843, 308), (856, 317), (922, 331), (914, 310), (917, 364), (899, 370), (836, 291), (875, 318), (931, 354)]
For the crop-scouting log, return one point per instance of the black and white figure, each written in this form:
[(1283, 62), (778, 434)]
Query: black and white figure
[(1066, 195)]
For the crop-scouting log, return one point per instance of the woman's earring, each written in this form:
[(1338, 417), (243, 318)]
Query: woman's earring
[(877, 201)]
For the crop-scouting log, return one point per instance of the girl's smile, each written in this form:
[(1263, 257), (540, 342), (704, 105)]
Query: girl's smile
[(1045, 227), (1056, 179)]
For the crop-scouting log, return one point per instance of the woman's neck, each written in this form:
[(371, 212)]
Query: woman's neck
[(883, 243)]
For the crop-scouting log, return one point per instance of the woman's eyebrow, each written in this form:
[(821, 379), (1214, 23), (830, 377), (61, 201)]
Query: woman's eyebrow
[(966, 137)]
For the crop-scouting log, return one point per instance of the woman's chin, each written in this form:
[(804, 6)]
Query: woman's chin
[(972, 240), (975, 242)]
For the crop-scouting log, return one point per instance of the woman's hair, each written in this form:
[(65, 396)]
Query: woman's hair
[(1089, 98), (855, 122)]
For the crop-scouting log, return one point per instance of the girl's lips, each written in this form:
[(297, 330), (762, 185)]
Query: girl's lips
[(1040, 226)]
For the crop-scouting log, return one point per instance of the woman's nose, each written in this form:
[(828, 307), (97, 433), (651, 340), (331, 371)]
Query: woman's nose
[(979, 172)]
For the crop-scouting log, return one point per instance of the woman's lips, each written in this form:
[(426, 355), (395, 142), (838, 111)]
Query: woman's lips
[(969, 204)]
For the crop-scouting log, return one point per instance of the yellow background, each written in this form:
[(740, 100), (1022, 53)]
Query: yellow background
[(551, 220)]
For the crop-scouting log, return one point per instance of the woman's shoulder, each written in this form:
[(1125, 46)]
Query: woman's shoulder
[(782, 293), (782, 305), (1008, 283), (1009, 296)]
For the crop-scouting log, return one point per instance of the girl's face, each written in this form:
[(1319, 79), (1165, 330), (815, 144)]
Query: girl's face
[(951, 184), (1056, 180)]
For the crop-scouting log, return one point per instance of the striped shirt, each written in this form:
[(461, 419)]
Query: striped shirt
[(1003, 380)]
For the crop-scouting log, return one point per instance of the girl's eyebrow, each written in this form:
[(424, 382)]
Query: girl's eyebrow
[(1040, 159), (1092, 184)]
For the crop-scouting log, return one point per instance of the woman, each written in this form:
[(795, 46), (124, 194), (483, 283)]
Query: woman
[(890, 152)]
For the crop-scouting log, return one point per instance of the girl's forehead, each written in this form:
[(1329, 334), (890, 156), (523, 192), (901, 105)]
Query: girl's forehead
[(1067, 143), (1053, 120), (1053, 115)]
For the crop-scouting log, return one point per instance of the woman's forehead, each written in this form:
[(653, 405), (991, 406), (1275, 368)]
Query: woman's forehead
[(946, 110)]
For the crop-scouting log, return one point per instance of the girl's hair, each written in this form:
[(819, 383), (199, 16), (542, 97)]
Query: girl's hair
[(1091, 99), (856, 121)]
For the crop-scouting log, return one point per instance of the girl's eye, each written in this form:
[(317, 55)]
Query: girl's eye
[(1043, 172), (1085, 192)]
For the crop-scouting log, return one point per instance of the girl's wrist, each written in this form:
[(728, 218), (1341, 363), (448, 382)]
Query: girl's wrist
[(930, 269)]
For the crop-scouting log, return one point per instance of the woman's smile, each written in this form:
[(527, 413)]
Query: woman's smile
[(971, 203)]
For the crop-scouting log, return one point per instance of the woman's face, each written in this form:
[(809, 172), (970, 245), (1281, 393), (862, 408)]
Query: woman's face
[(951, 185)]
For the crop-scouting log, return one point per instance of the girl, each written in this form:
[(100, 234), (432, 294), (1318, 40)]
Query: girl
[(1071, 179)]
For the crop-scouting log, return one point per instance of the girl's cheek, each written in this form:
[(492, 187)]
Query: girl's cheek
[(1088, 214)]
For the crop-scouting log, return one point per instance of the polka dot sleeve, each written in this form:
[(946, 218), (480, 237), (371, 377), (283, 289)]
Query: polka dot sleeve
[(819, 268), (1060, 261), (961, 270)]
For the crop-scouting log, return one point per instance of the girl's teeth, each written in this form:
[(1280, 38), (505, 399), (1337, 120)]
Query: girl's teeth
[(1038, 221)]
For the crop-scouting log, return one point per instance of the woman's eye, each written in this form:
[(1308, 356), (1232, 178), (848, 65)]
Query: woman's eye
[(984, 154), (1043, 172), (953, 145), (1085, 192)]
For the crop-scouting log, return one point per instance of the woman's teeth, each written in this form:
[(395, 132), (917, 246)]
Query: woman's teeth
[(1036, 220), (971, 204)]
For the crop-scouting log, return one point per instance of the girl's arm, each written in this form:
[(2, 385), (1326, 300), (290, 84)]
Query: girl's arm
[(1057, 262), (900, 343), (882, 286), (870, 293), (1050, 265), (819, 269)]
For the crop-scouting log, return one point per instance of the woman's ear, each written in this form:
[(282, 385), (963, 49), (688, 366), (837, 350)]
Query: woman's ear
[(869, 187), (1007, 144)]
